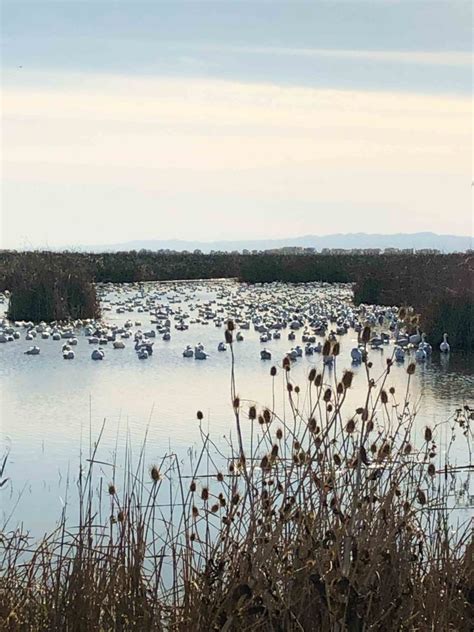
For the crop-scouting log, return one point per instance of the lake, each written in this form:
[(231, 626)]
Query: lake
[(53, 409)]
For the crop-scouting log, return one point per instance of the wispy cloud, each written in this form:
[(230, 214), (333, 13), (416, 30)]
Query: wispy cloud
[(432, 58)]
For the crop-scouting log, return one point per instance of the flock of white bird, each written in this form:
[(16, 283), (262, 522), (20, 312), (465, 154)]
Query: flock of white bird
[(303, 313)]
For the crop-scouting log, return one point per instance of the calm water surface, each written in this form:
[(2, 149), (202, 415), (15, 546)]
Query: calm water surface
[(51, 409)]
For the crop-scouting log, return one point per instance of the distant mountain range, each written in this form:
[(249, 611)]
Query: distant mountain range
[(444, 243)]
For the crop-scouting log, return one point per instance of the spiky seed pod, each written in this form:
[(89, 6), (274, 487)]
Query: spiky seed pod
[(228, 336), (366, 334), (312, 375), (389, 362), (369, 365), (222, 500), (112, 490), (231, 467), (373, 448), (220, 477), (407, 449), (273, 371), (192, 486), (337, 460), (230, 325), (261, 420), (297, 389), (340, 388), (384, 397), (411, 368), (296, 445), (431, 469), (289, 387), (279, 434), (428, 434), (252, 412), (192, 537), (347, 379), (421, 497), (359, 410), (370, 425), (236, 499), (195, 512), (275, 451), (199, 415), (236, 403), (350, 426), (286, 363), (267, 416), (205, 493), (365, 414), (336, 349), (120, 516), (327, 348), (391, 390), (312, 424), (215, 508), (318, 380), (264, 463), (327, 395), (155, 474)]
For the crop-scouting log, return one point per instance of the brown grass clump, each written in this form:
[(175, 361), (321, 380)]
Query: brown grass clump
[(326, 519)]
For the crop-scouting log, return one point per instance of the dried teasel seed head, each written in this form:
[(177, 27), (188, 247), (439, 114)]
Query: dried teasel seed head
[(267, 416), (347, 379), (365, 334), (318, 380), (112, 490), (407, 449), (312, 424), (428, 434), (329, 408), (220, 477), (327, 348), (312, 375), (252, 412), (350, 426), (327, 395), (155, 474), (286, 363), (205, 493), (192, 486), (195, 512), (336, 349), (383, 397), (215, 508), (236, 403), (391, 390), (279, 434), (411, 368), (199, 415), (297, 389), (365, 414), (289, 387), (261, 420), (370, 425), (120, 516), (235, 499), (273, 371), (431, 469), (228, 336), (230, 325), (337, 460), (421, 497), (275, 450), (340, 388)]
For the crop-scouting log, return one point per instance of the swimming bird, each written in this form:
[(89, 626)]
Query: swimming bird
[(444, 346)]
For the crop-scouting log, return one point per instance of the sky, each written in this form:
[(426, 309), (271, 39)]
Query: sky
[(126, 120)]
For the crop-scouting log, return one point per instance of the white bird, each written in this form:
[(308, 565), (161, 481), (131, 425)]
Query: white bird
[(68, 354), (265, 354), (420, 355), (98, 354), (444, 346), (188, 352), (33, 351), (119, 344), (399, 354), (221, 346), (356, 355)]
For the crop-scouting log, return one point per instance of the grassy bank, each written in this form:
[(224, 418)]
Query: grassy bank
[(327, 517)]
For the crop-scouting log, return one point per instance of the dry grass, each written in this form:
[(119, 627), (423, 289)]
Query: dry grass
[(327, 519)]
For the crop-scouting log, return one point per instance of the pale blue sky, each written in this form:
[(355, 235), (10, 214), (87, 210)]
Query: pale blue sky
[(264, 119)]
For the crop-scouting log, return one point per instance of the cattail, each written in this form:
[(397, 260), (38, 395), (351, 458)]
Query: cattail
[(327, 348), (252, 412), (411, 368), (336, 349), (220, 477), (228, 336), (192, 487), (384, 397), (155, 474), (273, 371), (312, 375), (112, 490), (199, 415), (366, 334), (347, 379), (428, 434), (279, 434)]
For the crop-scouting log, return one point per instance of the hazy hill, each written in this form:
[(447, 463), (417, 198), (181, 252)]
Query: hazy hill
[(445, 243)]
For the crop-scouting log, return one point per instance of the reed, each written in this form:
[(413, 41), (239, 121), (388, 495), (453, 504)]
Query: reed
[(328, 517)]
